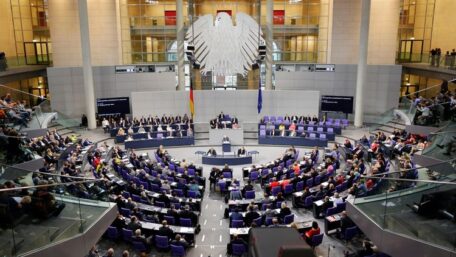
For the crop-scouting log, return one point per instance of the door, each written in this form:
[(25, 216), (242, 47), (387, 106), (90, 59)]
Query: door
[(410, 50), (36, 53)]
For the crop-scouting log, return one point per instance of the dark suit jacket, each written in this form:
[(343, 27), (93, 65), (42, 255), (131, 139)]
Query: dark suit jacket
[(165, 231)]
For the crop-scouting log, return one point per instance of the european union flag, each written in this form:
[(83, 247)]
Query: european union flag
[(260, 97)]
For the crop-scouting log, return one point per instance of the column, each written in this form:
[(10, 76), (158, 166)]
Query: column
[(89, 93), (269, 39), (180, 44), (362, 62)]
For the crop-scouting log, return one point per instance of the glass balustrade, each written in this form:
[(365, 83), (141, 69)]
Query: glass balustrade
[(424, 210), (35, 217)]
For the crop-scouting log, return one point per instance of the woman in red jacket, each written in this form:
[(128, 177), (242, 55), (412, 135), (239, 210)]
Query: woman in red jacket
[(315, 230)]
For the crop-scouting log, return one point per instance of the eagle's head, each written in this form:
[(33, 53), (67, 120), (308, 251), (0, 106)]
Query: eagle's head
[(223, 19)]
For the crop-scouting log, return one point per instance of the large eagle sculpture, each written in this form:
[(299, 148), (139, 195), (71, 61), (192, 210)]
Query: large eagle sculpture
[(223, 48)]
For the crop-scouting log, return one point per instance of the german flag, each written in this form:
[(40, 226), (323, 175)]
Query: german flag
[(191, 102)]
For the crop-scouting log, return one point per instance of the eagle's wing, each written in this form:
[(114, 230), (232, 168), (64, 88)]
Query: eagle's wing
[(201, 35), (249, 36)]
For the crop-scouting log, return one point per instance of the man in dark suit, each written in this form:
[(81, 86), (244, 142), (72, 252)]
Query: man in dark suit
[(248, 187), (221, 116), (188, 214), (134, 224), (212, 152), (241, 151), (164, 230), (250, 216), (179, 241)]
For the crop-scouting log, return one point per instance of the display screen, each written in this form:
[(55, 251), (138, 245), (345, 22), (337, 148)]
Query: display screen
[(337, 104), (113, 106)]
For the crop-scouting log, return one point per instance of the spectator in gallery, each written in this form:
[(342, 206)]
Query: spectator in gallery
[(105, 125), (282, 130), (292, 129)]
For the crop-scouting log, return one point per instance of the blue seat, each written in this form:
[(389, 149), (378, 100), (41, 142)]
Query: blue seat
[(227, 174), (136, 198), (237, 224), (160, 204), (275, 190), (112, 233), (308, 202), (317, 180), (192, 194), (350, 233), (309, 182), (125, 212), (253, 176), (170, 220), (222, 186), (139, 246), (177, 250), (331, 211), (316, 240), (300, 186), (179, 192), (250, 194), (177, 206), (161, 243), (268, 221), (127, 234), (341, 207), (126, 194), (288, 219), (185, 222), (191, 172), (288, 190), (258, 221), (238, 249)]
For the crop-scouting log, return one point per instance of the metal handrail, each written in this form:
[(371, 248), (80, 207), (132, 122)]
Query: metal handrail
[(48, 185)]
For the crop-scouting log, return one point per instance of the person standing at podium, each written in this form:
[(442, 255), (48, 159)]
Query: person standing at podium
[(226, 139), (241, 152)]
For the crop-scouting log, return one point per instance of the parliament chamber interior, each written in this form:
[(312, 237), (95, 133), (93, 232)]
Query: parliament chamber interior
[(249, 128)]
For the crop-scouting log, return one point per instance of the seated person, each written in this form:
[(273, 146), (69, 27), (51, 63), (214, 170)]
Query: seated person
[(284, 211), (164, 230), (141, 129), (211, 152), (180, 241), (236, 240), (248, 187), (250, 216), (292, 129), (282, 130), (121, 132), (235, 194), (138, 237), (345, 222), (241, 151), (235, 215), (315, 230)]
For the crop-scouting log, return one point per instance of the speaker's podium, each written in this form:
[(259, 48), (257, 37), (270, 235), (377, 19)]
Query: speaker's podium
[(226, 146)]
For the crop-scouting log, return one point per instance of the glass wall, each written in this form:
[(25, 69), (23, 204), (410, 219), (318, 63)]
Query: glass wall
[(300, 34), (415, 30), (31, 32), (300, 30), (148, 30)]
